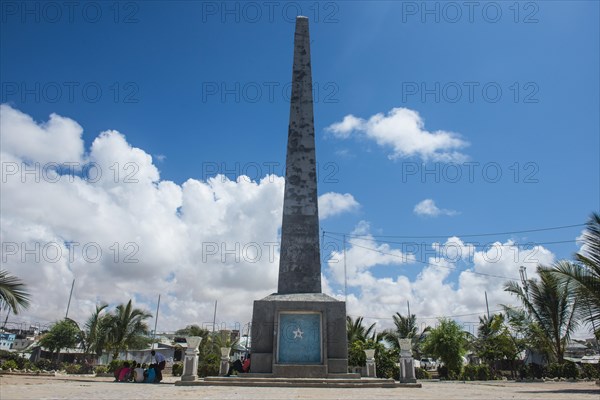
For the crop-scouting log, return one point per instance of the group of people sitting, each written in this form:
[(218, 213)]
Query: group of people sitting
[(136, 372)]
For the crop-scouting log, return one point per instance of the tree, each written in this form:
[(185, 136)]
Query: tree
[(356, 330), (493, 342), (95, 331), (584, 276), (193, 330), (447, 341), (126, 328), (63, 334), (551, 308), (405, 328), (13, 293)]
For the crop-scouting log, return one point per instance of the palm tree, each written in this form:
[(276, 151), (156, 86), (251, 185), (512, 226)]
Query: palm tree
[(585, 275), (126, 327), (551, 308), (405, 328), (95, 331), (357, 332), (13, 293)]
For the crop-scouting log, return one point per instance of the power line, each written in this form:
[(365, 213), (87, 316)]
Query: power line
[(465, 235), (528, 244), (434, 317), (435, 265)]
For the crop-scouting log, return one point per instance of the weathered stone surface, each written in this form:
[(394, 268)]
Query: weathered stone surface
[(265, 339), (300, 261)]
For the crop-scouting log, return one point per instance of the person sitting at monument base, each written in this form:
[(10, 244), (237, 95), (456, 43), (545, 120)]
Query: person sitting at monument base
[(236, 366), (246, 365)]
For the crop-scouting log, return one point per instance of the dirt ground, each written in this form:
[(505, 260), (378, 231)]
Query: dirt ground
[(68, 387)]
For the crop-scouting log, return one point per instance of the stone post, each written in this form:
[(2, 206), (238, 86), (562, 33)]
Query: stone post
[(371, 369), (224, 367), (190, 361), (407, 363)]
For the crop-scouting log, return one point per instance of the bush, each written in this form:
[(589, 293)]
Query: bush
[(554, 370), (356, 355), (209, 365), (469, 373), (101, 369), (443, 372), (422, 374), (47, 365), (177, 369), (9, 364), (591, 371), (114, 365), (483, 372), (570, 370), (72, 368)]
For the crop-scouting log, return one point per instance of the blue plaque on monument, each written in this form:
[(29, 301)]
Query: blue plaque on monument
[(299, 338)]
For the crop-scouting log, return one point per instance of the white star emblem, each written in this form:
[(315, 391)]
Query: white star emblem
[(298, 333)]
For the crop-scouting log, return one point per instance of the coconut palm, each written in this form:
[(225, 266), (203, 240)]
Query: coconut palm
[(551, 308), (95, 331), (405, 328), (13, 293), (126, 328), (357, 332), (585, 275)]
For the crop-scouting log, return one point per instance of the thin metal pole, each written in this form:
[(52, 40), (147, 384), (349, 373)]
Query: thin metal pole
[(69, 303), (408, 306), (487, 306), (155, 322), (6, 319), (215, 316)]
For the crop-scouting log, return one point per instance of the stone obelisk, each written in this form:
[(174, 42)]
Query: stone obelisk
[(300, 261), (300, 332)]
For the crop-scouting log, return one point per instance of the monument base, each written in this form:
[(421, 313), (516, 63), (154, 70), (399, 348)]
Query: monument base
[(300, 335)]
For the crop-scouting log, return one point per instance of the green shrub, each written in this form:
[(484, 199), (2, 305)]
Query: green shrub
[(209, 365), (443, 372), (483, 372), (356, 354), (177, 369), (72, 368), (422, 374), (554, 370), (101, 369), (114, 365), (570, 370), (47, 365), (591, 371), (9, 364), (469, 373)]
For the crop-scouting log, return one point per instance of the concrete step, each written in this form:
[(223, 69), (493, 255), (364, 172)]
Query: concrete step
[(297, 382)]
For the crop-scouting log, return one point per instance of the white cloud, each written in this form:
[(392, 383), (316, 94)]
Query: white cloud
[(332, 203), (428, 208), (193, 243), (403, 131)]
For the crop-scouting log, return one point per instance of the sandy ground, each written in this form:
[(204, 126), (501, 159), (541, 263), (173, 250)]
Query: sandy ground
[(64, 387)]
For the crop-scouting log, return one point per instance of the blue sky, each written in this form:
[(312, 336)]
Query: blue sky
[(201, 86)]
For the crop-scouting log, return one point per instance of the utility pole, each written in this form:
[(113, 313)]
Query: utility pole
[(69, 303), (408, 306), (215, 316), (487, 306), (524, 281), (155, 322)]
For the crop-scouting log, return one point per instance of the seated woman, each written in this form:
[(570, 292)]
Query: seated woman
[(138, 374), (235, 366), (246, 365), (150, 374), (125, 372)]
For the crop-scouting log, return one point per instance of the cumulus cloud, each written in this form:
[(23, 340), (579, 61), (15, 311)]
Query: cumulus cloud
[(403, 131), (332, 203), (428, 208), (112, 224), (450, 277)]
